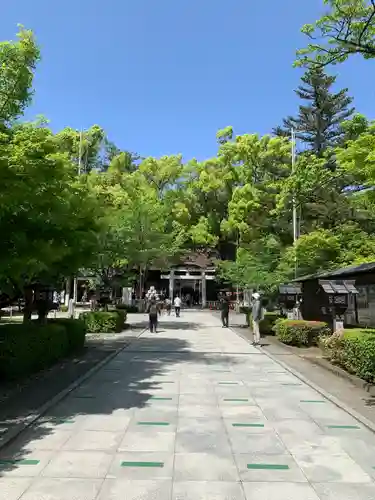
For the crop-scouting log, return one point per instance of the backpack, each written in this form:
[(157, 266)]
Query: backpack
[(153, 309)]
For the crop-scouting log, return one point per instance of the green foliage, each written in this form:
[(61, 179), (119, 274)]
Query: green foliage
[(128, 309), (354, 351), (104, 322), (346, 28), (27, 348), (268, 322), (300, 333), (76, 331), (17, 63), (318, 123)]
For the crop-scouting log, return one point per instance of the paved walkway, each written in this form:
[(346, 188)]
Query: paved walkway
[(192, 413)]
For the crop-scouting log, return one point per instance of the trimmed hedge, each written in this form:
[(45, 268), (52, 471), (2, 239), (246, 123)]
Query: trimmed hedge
[(267, 323), (299, 332), (76, 330), (28, 348), (354, 351), (104, 322), (128, 309)]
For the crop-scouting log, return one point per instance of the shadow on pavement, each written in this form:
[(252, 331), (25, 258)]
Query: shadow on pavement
[(116, 389)]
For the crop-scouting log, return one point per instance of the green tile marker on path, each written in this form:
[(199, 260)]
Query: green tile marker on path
[(142, 464), (267, 467), (311, 401), (160, 399), (153, 423), (234, 400), (228, 383), (247, 425), (343, 427), (19, 461)]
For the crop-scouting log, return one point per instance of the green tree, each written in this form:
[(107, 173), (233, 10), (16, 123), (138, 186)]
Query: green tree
[(318, 123), (47, 218), (17, 64), (348, 27)]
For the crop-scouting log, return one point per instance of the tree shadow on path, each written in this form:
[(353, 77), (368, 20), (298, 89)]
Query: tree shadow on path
[(139, 377)]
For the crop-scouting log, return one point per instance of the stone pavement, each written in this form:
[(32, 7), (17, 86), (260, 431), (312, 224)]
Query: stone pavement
[(191, 413)]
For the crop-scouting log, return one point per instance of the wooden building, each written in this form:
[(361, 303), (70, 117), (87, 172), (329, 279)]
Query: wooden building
[(361, 310)]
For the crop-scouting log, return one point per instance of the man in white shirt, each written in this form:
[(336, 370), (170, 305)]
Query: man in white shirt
[(177, 306)]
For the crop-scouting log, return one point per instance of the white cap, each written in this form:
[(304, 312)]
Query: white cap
[(256, 296)]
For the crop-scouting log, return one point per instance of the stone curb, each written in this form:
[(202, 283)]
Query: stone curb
[(336, 370), (363, 420), (337, 402), (339, 372), (31, 419)]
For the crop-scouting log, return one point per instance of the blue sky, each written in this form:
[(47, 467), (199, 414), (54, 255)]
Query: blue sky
[(163, 76)]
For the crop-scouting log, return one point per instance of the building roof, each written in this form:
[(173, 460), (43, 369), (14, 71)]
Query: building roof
[(340, 273)]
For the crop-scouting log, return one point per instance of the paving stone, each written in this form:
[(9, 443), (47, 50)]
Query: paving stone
[(16, 465), (358, 491), (12, 488), (323, 468), (105, 423), (207, 490), (40, 439), (82, 464), (63, 489), (125, 489), (94, 440), (148, 440), (302, 428), (280, 491), (195, 411), (267, 443), (205, 467), (137, 471), (269, 468), (203, 442)]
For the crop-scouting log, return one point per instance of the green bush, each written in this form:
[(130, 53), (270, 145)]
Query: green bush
[(354, 351), (64, 308), (76, 330), (104, 322), (27, 348), (267, 323), (299, 332)]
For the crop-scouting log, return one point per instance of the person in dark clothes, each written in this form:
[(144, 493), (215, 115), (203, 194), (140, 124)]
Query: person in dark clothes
[(153, 310), (225, 311)]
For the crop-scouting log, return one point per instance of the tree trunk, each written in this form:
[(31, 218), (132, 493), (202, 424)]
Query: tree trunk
[(27, 312)]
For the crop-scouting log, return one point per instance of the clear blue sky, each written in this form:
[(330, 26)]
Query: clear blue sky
[(161, 76)]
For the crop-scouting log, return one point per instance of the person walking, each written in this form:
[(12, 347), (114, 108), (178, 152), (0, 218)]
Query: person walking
[(153, 310), (225, 311), (256, 316), (168, 306), (177, 306)]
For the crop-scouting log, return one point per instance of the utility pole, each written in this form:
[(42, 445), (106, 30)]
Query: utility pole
[(295, 222), (75, 281)]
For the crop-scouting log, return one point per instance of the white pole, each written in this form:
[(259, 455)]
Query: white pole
[(295, 231), (75, 284), (295, 223), (80, 153)]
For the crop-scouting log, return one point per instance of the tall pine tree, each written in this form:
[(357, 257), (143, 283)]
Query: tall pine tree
[(318, 123)]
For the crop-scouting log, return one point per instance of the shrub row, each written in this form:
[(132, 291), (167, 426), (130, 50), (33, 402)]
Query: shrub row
[(354, 351), (127, 308), (299, 332), (30, 347), (104, 322)]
